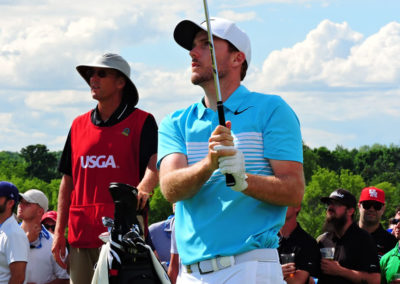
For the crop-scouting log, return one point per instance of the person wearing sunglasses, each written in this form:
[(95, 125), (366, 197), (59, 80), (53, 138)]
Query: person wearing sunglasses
[(355, 258), (114, 142), (390, 262), (41, 267), (49, 220), (371, 206)]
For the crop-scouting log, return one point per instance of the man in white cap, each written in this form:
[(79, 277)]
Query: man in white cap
[(372, 206), (14, 245), (42, 267), (114, 142), (228, 234)]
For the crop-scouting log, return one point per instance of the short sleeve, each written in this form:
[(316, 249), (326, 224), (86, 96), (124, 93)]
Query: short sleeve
[(281, 133), (170, 138), (17, 248)]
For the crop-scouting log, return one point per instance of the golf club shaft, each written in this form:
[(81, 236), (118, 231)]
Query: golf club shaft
[(230, 180)]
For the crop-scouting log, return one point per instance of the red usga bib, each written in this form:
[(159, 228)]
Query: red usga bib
[(100, 155)]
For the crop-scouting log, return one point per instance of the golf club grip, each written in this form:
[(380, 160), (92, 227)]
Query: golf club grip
[(229, 179)]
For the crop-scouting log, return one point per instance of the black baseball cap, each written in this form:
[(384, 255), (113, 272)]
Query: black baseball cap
[(343, 196)]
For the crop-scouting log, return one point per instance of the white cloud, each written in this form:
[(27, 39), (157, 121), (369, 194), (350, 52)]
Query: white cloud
[(314, 138), (335, 56), (163, 92), (58, 33), (237, 17), (6, 118), (337, 75), (54, 101)]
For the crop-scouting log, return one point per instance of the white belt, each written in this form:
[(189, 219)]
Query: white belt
[(222, 262)]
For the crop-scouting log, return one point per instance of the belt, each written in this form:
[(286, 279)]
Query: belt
[(222, 262)]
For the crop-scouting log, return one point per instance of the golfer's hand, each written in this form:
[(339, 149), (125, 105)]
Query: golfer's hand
[(234, 165), (220, 136), (58, 249)]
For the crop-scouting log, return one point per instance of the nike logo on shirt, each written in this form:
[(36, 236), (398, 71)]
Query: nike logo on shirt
[(243, 110)]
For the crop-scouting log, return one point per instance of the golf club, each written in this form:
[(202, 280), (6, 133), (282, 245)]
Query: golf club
[(230, 180)]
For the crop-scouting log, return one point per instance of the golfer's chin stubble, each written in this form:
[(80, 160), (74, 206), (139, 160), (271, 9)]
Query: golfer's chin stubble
[(199, 79)]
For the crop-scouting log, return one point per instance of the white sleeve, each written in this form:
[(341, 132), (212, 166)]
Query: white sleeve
[(174, 249), (17, 247)]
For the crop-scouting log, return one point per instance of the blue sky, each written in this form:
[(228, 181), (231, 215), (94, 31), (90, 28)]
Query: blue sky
[(337, 63)]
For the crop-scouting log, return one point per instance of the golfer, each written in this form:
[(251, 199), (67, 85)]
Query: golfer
[(229, 234)]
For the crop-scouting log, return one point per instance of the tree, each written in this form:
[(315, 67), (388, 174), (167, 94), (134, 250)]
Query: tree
[(392, 200), (343, 158), (40, 162), (160, 208), (310, 162), (11, 164), (378, 163)]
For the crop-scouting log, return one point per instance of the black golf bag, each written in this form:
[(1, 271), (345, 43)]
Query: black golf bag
[(128, 258)]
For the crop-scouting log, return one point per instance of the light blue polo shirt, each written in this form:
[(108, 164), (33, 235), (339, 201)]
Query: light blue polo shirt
[(217, 220)]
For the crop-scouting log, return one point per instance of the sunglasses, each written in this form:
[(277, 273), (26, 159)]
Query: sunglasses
[(49, 227), (367, 204), (101, 73), (394, 221)]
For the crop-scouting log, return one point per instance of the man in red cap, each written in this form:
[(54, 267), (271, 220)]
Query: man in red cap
[(371, 206), (49, 220)]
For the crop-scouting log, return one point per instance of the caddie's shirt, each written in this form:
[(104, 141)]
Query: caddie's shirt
[(148, 138), (384, 240), (305, 248), (355, 250), (216, 220)]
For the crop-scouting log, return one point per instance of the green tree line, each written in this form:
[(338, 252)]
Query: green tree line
[(324, 170)]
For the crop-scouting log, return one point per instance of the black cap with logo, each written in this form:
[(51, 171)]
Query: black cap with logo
[(343, 196)]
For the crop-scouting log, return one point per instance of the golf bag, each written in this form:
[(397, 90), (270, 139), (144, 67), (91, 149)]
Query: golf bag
[(125, 257)]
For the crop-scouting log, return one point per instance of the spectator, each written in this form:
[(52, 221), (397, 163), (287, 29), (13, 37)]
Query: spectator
[(355, 259), (160, 234), (392, 224), (49, 220), (293, 239), (42, 267), (393, 220), (390, 262), (397, 215), (371, 206), (260, 147), (14, 245), (115, 142)]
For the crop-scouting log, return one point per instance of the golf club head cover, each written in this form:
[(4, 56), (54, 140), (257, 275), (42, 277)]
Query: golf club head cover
[(125, 201), (234, 165)]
